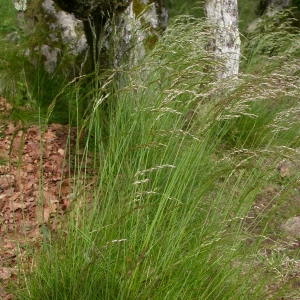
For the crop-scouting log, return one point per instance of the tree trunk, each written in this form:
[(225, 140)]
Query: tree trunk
[(223, 15), (120, 31)]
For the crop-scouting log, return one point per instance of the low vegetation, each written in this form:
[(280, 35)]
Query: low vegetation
[(180, 184)]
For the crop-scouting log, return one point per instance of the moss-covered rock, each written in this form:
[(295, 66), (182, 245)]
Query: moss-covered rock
[(127, 29), (51, 34)]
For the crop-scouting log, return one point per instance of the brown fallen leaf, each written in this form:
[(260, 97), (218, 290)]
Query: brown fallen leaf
[(15, 205), (6, 181), (49, 136), (33, 150), (2, 202), (26, 183), (4, 169), (10, 129), (46, 214), (5, 107), (5, 273), (61, 151)]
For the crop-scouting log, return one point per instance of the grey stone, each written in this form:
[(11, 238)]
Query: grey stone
[(64, 33), (70, 28), (20, 5), (13, 37), (50, 56), (292, 227)]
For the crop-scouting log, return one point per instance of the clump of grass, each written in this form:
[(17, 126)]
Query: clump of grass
[(165, 214), (256, 119), (8, 17), (23, 79), (268, 87)]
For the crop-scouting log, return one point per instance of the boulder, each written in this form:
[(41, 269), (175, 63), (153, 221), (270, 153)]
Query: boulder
[(52, 33)]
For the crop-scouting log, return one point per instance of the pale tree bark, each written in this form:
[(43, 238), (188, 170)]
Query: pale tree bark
[(223, 16)]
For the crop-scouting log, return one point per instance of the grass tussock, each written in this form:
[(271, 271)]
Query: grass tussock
[(178, 160)]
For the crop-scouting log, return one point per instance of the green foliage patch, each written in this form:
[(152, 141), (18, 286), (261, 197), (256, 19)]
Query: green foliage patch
[(173, 162)]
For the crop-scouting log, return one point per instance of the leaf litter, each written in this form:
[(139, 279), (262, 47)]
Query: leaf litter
[(35, 189)]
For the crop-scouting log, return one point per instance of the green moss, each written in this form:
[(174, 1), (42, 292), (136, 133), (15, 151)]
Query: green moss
[(138, 7), (8, 17), (152, 37), (150, 41), (36, 23)]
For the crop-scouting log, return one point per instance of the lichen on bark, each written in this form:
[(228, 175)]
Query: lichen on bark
[(223, 17)]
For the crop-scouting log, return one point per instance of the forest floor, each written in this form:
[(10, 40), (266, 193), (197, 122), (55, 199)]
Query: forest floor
[(36, 191)]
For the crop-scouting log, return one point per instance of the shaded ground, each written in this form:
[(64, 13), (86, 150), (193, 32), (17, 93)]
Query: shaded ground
[(278, 256)]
